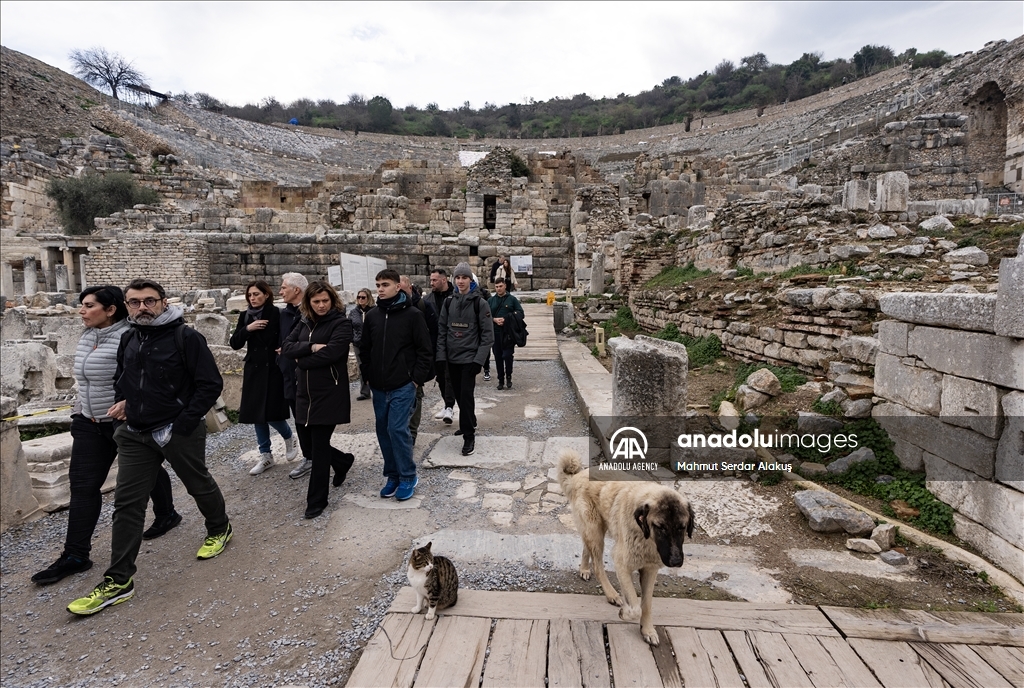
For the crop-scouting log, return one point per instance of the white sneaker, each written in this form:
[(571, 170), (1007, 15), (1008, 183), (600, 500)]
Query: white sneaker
[(265, 462), (447, 415), (291, 448), (440, 414), (302, 469)]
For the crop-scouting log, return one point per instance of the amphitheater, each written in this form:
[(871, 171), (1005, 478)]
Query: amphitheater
[(869, 236)]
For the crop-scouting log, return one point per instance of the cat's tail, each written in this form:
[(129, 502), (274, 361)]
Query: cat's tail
[(569, 464)]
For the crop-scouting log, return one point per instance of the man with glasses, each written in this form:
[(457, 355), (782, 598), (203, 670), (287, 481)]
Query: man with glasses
[(166, 381)]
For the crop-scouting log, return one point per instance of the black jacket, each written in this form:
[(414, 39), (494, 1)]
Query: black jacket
[(465, 332), (395, 349), (290, 317), (161, 385), (430, 315), (262, 380), (322, 394), (437, 298)]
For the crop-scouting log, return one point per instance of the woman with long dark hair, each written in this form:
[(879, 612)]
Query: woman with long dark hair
[(364, 302), (93, 449), (263, 403), (319, 344)]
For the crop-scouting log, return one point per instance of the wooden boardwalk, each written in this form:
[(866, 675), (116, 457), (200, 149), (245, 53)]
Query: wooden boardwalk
[(523, 640), (542, 344)]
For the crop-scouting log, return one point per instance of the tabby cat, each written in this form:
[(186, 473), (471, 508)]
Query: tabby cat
[(434, 579)]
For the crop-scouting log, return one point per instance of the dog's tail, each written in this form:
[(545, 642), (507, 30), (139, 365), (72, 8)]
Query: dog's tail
[(569, 464)]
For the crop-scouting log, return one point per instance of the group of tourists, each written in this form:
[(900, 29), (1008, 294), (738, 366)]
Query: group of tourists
[(146, 382)]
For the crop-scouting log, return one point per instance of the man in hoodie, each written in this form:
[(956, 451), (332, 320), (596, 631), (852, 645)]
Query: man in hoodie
[(465, 335), (395, 357), (166, 381)]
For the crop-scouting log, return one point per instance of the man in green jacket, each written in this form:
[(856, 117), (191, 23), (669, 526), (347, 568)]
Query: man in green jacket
[(504, 307)]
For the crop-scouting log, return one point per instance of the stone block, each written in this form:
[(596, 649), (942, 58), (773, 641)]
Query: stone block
[(985, 357), (959, 311), (16, 325), (648, 377), (936, 223), (1008, 320), (825, 513), (885, 536), (991, 546), (65, 331), (916, 388), (969, 255), (796, 340), (841, 465), (863, 349), (972, 404), (765, 381), (881, 232), (892, 337), (563, 315), (28, 371), (856, 194), (50, 449), (816, 424), (965, 448), (857, 408), (863, 545), (749, 398), (1010, 451), (892, 192), (998, 507), (910, 455), (695, 215), (214, 327), (17, 502)]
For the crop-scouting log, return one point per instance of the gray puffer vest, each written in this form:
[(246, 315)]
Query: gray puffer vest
[(95, 366)]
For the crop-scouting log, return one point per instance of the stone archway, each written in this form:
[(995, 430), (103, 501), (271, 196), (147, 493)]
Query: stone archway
[(986, 133)]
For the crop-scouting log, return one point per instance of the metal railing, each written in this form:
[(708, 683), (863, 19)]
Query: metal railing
[(1006, 203)]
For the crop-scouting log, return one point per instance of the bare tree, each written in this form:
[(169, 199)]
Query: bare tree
[(102, 69)]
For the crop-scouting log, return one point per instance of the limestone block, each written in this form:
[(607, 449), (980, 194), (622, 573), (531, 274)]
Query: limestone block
[(971, 255), (892, 336), (863, 349), (236, 304), (848, 251), (1009, 312), (894, 558), (882, 232), (563, 315), (50, 449), (936, 223), (985, 357), (959, 311), (816, 424), (844, 300), (16, 325), (695, 215), (765, 381), (916, 388), (230, 364), (597, 273), (885, 536), (1010, 451), (28, 371), (857, 408), (17, 502), (749, 398), (863, 545), (214, 327), (972, 404), (856, 194), (998, 507), (892, 192), (796, 340), (912, 251), (64, 330), (649, 377), (826, 514), (728, 416), (967, 449), (910, 455), (842, 464), (992, 547)]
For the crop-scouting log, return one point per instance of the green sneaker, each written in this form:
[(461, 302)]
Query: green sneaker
[(214, 545), (103, 595)]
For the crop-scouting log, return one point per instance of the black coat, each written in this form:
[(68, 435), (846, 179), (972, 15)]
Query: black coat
[(395, 349), (290, 317), (262, 382), (322, 394)]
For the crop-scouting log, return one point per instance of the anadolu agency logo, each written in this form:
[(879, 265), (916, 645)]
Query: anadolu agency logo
[(628, 444)]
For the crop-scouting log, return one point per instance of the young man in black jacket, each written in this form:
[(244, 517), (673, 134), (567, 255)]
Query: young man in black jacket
[(166, 381), (395, 357)]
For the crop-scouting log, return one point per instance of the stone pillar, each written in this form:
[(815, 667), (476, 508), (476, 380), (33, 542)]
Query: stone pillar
[(46, 262), (563, 314), (62, 278), (17, 503), (648, 377), (29, 264), (82, 260), (69, 265), (893, 190), (597, 273), (856, 194), (7, 285), (696, 214), (1009, 316)]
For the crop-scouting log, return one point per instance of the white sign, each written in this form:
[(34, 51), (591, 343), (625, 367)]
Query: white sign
[(334, 275), (522, 264), (358, 272)]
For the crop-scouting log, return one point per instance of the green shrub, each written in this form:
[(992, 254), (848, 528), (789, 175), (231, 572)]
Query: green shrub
[(790, 378), (519, 166), (700, 351), (674, 275), (34, 433), (82, 199), (831, 408)]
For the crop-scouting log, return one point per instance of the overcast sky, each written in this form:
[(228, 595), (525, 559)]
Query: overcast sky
[(501, 52)]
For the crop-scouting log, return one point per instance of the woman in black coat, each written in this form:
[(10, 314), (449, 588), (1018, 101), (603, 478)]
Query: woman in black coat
[(263, 403), (319, 344)]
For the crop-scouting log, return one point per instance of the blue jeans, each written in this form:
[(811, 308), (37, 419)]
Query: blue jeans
[(263, 433), (393, 410)]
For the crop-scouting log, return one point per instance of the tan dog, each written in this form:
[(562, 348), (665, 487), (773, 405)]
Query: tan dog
[(647, 522)]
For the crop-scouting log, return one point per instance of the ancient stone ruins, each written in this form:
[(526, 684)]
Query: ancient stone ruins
[(823, 223)]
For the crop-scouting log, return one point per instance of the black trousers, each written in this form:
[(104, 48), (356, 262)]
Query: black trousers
[(324, 457), (444, 383), (503, 357), (92, 454), (464, 386)]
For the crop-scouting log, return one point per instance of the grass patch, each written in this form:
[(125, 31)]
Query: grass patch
[(700, 351), (827, 408), (790, 378), (623, 322), (674, 275), (232, 415), (41, 431), (744, 272), (848, 269)]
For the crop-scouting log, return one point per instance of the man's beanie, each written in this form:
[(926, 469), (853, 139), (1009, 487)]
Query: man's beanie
[(462, 270)]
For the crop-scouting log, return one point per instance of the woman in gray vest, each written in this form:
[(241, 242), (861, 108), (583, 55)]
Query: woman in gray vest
[(93, 449)]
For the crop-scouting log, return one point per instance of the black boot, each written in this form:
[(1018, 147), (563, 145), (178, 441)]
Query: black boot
[(341, 469), (508, 385)]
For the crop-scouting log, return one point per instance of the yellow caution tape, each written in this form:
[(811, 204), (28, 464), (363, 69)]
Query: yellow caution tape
[(38, 413)]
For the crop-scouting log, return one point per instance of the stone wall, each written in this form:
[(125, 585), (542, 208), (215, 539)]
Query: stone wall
[(175, 260), (950, 374)]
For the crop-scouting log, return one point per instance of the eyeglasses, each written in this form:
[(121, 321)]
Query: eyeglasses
[(360, 298), (149, 302)]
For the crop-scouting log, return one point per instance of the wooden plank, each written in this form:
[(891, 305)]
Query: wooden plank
[(518, 654), (895, 663), (854, 670), (664, 657), (691, 658), (378, 667), (993, 620), (455, 653), (819, 665), (632, 661), (563, 656), (1004, 661), (960, 666), (589, 638), (667, 611), (726, 674), (779, 662), (750, 665), (576, 654), (887, 624)]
